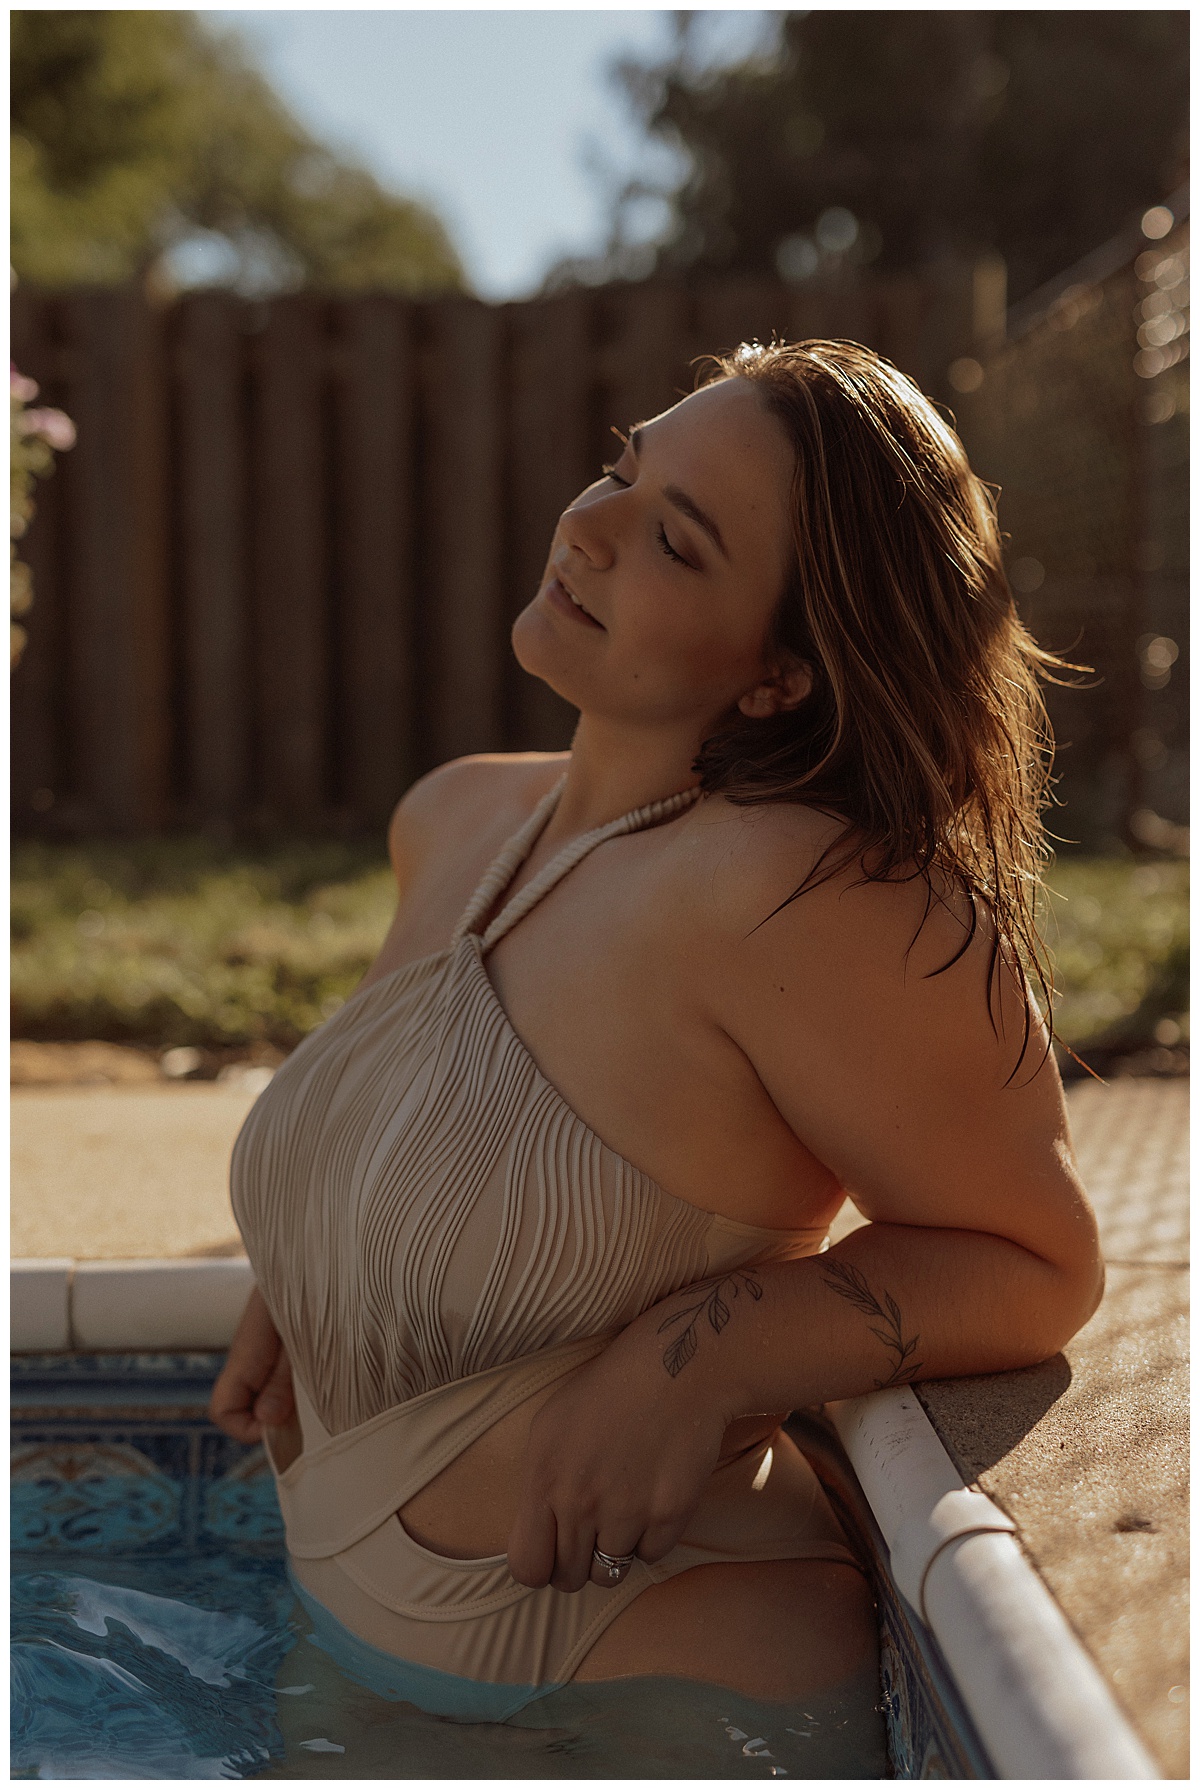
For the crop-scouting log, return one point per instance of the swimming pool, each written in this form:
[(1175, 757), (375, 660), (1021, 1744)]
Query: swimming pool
[(155, 1632)]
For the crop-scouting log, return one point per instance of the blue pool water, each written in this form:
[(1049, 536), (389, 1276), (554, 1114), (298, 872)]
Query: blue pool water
[(156, 1635)]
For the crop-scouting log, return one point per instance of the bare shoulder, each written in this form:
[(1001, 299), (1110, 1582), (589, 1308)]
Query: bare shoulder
[(749, 848), (892, 1038), (788, 878), (466, 800)]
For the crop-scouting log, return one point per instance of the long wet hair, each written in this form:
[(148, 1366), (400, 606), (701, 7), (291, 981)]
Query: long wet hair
[(925, 730)]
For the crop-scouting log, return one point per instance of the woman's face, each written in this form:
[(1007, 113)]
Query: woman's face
[(663, 575)]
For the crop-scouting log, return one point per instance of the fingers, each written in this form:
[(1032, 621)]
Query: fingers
[(659, 1538), (276, 1403), (624, 1549), (576, 1539), (255, 1346), (231, 1406), (256, 1366), (532, 1544), (573, 1564), (555, 1546)]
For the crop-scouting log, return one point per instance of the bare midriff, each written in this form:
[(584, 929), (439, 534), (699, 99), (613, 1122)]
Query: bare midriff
[(467, 1512)]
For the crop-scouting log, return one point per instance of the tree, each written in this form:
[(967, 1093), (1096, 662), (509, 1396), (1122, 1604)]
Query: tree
[(133, 131), (903, 136)]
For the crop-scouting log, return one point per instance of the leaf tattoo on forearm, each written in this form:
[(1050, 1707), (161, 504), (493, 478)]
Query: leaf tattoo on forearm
[(715, 1304), (850, 1283)]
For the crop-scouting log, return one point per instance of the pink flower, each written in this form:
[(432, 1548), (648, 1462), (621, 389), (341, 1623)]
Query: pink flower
[(54, 426), (25, 390)]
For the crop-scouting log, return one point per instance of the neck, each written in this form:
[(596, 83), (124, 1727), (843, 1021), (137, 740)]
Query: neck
[(614, 769)]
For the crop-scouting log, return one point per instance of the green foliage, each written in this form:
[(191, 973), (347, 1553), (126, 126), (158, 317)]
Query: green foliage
[(1034, 134), (134, 130), (180, 941), (1118, 933)]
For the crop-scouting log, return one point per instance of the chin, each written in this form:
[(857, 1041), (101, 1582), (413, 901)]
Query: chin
[(539, 649)]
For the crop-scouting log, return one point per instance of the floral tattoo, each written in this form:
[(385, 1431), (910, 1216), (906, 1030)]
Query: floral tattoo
[(715, 1304), (850, 1283)]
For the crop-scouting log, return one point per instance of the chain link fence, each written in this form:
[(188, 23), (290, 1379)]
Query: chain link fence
[(1081, 418)]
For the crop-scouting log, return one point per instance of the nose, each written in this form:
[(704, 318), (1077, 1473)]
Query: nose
[(587, 527)]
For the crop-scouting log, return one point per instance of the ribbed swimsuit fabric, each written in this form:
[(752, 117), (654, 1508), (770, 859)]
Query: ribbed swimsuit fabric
[(438, 1236)]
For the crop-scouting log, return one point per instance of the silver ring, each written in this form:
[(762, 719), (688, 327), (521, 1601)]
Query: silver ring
[(615, 1565)]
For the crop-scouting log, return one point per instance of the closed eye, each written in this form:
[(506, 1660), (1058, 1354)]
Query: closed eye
[(670, 551), (610, 472)]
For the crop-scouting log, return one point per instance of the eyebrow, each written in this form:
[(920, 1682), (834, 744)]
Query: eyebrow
[(680, 499)]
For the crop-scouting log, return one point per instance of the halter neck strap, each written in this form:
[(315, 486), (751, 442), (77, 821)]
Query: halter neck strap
[(522, 843)]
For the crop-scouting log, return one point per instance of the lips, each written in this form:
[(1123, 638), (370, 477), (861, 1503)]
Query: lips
[(566, 600)]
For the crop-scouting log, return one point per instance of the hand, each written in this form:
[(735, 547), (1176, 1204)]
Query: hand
[(618, 1458), (253, 1391)]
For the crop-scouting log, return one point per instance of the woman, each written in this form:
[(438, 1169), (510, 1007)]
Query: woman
[(763, 931)]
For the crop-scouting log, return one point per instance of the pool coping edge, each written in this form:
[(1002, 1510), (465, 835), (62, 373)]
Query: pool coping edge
[(58, 1303), (1040, 1704)]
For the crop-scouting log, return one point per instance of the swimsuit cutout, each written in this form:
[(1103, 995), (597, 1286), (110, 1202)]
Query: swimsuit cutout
[(438, 1236)]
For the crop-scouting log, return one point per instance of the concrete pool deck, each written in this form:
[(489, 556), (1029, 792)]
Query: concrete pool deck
[(1087, 1452)]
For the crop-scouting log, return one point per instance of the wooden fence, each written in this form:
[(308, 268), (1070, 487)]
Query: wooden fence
[(275, 577)]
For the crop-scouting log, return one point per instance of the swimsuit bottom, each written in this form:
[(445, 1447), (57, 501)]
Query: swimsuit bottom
[(405, 1681), (429, 1617), (387, 1716)]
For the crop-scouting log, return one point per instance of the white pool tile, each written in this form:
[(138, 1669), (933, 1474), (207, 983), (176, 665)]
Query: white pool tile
[(158, 1305), (39, 1305)]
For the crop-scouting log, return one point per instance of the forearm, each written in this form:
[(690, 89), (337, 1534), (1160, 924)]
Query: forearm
[(890, 1304)]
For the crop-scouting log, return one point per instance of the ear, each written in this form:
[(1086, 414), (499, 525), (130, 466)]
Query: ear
[(786, 690)]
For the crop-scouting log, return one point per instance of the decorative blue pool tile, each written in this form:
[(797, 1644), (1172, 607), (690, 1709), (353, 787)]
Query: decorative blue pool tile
[(241, 1505), (84, 1496)]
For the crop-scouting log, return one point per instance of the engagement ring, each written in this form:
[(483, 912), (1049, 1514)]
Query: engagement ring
[(615, 1565)]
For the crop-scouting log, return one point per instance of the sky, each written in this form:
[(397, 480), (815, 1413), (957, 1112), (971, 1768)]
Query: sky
[(505, 121)]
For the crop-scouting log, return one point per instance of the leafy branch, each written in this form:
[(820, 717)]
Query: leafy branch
[(850, 1283), (715, 1304)]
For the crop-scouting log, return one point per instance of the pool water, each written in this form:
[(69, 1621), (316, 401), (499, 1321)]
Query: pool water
[(155, 1633)]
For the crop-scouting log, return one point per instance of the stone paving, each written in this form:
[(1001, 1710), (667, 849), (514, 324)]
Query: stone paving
[(103, 1172), (1087, 1452)]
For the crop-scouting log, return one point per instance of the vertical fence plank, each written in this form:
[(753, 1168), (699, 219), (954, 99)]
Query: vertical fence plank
[(37, 746), (947, 326), (211, 448), (646, 335), (731, 311), (463, 600), (813, 313), (900, 313), (374, 403), (549, 463), (116, 500), (834, 307), (289, 485)]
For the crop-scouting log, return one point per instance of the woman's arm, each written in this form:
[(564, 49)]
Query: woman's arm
[(981, 1253), (621, 1455)]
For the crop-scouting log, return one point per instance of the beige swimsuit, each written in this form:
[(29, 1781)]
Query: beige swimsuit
[(438, 1236)]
